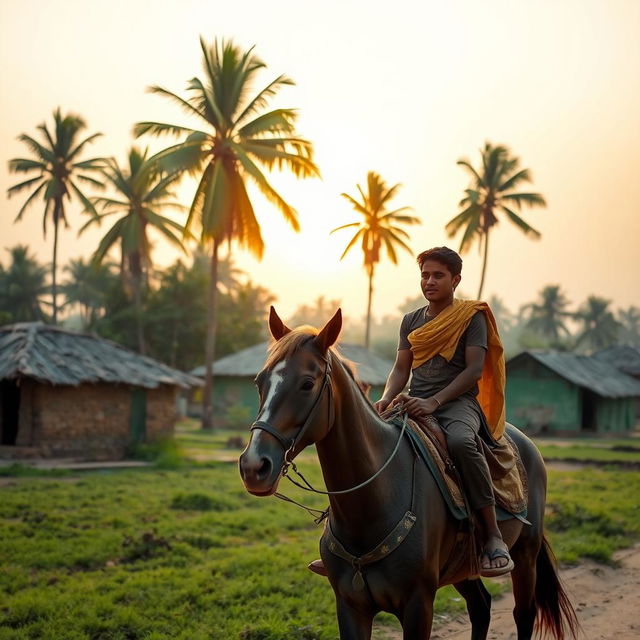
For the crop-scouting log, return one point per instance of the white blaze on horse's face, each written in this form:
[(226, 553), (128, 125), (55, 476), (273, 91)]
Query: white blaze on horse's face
[(276, 377)]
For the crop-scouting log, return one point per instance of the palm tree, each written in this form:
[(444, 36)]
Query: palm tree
[(492, 190), (503, 315), (86, 286), (629, 320), (547, 316), (56, 163), (236, 137), (228, 273), (600, 328), (378, 227), (22, 287), (142, 191)]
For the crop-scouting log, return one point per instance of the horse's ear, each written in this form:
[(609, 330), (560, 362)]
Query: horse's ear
[(329, 333), (276, 326)]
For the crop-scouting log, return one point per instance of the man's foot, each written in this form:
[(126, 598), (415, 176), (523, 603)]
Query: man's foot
[(495, 559), (317, 566)]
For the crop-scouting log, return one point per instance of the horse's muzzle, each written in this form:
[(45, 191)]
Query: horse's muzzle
[(259, 471)]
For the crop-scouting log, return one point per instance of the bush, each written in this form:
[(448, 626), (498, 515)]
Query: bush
[(238, 416), (200, 502), (148, 545), (164, 452)]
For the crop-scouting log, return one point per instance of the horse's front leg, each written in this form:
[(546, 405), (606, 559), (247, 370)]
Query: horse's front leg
[(417, 615), (354, 623)]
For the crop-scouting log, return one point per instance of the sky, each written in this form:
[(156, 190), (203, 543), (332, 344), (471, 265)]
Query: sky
[(403, 88)]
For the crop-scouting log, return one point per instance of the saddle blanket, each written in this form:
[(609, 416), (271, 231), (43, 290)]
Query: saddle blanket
[(503, 458)]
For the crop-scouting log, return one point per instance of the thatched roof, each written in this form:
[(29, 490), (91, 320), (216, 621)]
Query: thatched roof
[(50, 354), (371, 369), (585, 371)]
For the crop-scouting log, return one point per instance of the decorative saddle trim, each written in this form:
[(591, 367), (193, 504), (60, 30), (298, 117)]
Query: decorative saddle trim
[(387, 546)]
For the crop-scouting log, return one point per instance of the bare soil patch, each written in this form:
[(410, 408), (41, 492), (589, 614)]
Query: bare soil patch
[(606, 599)]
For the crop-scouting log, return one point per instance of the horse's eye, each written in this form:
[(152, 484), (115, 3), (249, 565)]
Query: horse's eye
[(307, 385)]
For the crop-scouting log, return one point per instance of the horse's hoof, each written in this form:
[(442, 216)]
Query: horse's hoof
[(317, 566)]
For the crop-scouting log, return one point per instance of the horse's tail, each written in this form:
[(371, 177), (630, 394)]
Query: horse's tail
[(556, 615)]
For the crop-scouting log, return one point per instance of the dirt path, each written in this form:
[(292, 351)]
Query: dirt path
[(606, 599)]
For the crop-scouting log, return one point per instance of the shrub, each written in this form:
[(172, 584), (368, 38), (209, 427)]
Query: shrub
[(200, 502), (148, 545), (238, 416), (164, 452)]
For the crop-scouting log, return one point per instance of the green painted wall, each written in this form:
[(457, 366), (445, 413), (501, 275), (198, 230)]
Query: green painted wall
[(536, 398), (614, 415)]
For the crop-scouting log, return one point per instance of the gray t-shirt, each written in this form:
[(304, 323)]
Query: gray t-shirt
[(435, 374)]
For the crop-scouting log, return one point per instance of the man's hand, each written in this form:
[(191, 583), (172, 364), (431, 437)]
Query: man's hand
[(417, 407), (381, 405)]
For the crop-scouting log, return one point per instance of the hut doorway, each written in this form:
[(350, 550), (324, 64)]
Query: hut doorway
[(588, 411), (9, 411)]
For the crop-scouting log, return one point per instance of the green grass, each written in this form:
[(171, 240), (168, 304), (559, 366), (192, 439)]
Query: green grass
[(186, 553), (599, 451), (593, 512)]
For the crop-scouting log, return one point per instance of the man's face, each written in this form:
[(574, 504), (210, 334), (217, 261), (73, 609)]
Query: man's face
[(436, 281)]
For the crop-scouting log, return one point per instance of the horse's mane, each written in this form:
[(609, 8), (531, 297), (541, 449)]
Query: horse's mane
[(296, 339)]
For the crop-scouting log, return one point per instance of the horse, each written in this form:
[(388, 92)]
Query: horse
[(309, 395)]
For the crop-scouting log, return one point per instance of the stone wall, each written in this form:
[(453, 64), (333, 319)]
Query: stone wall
[(91, 421)]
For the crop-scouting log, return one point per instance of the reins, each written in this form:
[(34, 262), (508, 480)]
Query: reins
[(289, 446)]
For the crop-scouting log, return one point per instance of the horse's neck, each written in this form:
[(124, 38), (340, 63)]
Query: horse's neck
[(357, 446)]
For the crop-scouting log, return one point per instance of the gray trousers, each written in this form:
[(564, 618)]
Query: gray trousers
[(464, 447)]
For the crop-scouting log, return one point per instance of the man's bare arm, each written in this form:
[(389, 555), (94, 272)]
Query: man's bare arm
[(397, 379), (474, 360)]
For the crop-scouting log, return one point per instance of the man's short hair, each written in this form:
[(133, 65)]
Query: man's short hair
[(445, 256)]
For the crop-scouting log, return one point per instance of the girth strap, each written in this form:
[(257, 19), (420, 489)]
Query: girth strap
[(388, 545)]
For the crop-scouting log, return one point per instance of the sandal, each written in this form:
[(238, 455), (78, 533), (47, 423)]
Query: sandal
[(492, 572)]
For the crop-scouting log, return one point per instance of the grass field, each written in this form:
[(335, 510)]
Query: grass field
[(619, 450), (186, 553)]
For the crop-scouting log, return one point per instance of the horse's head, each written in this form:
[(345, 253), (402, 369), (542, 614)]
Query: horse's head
[(295, 401)]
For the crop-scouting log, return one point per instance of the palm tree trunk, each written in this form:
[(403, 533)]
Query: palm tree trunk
[(484, 263), (137, 286), (367, 335), (54, 265), (210, 348)]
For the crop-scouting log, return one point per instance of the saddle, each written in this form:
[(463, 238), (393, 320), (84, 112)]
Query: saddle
[(508, 475)]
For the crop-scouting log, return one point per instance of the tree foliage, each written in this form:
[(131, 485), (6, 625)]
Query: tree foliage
[(60, 174), (23, 286), (493, 190), (378, 228)]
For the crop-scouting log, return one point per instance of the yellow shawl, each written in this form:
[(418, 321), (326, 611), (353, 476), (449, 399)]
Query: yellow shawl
[(441, 336)]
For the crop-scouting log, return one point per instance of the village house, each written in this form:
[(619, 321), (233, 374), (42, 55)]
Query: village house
[(569, 394), (234, 392), (65, 394)]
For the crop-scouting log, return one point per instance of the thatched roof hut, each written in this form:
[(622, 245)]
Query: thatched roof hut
[(70, 394)]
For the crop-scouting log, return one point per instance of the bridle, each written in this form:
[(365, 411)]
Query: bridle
[(289, 444)]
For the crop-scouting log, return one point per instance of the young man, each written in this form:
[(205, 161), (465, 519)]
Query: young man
[(443, 346)]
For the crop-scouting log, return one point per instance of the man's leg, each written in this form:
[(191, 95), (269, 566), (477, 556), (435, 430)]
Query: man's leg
[(472, 465)]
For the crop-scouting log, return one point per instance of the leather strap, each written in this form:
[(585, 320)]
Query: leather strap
[(289, 444), (264, 426), (387, 546)]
